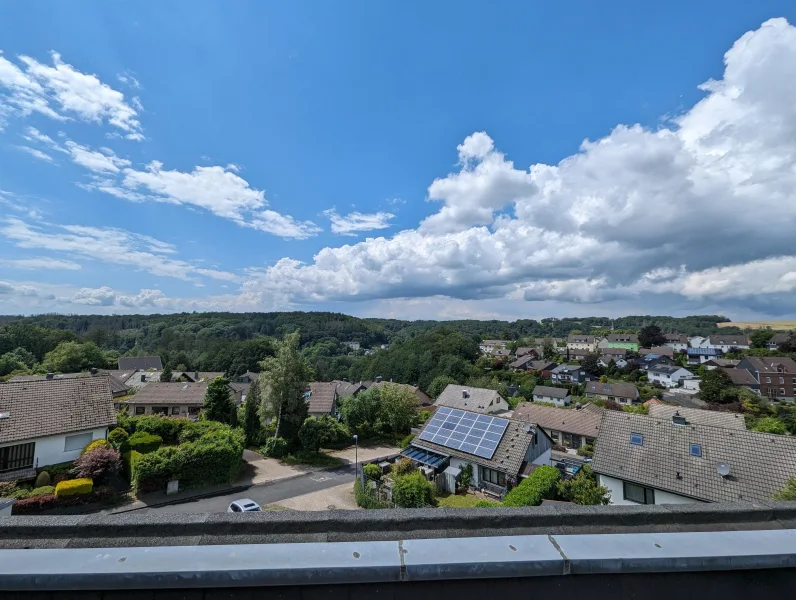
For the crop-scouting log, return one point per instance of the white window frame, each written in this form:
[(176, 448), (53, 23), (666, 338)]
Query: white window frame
[(84, 440)]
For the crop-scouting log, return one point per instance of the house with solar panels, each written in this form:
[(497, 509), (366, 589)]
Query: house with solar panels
[(501, 451)]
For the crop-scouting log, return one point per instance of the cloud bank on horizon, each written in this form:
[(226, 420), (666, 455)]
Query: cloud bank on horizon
[(699, 211)]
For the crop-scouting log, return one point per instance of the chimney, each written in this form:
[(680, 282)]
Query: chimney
[(143, 378), (50, 375), (196, 375), (378, 378), (465, 394), (94, 370)]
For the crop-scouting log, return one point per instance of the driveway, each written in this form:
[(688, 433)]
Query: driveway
[(365, 453), (339, 497)]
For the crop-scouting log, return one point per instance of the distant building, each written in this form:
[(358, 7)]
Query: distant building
[(352, 345), (489, 346), (628, 341), (676, 341), (623, 393), (776, 375), (321, 398), (667, 375), (478, 400), (585, 343), (568, 427), (568, 374)]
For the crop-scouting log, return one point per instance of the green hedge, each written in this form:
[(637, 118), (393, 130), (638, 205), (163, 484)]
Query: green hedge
[(363, 500), (129, 459), (214, 458), (540, 485), (143, 442), (487, 504), (412, 491)]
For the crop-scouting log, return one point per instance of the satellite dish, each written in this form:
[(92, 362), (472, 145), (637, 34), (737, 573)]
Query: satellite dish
[(723, 469)]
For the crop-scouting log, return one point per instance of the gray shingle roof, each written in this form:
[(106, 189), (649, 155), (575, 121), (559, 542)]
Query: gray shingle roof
[(729, 340), (51, 407), (477, 400), (666, 369), (522, 362), (740, 376), (770, 364), (698, 416), (622, 390), (574, 338), (170, 394), (509, 454), (662, 350), (345, 388), (626, 338), (117, 386), (583, 421), (322, 397), (678, 338), (142, 363), (527, 350), (553, 392), (760, 463)]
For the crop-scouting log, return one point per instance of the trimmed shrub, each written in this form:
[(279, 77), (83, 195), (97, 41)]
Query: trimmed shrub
[(7, 488), (118, 437), (275, 447), (372, 471), (94, 445), (34, 505), (167, 428), (98, 464), (487, 504), (540, 485), (412, 491), (214, 458), (403, 467), (407, 440), (42, 479), (60, 472), (45, 490), (72, 487), (192, 431), (326, 432), (144, 442), (129, 459), (364, 500)]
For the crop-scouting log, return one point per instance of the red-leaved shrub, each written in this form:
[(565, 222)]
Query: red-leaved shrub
[(98, 464)]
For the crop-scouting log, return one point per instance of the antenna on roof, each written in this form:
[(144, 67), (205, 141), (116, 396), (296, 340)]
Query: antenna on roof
[(723, 469)]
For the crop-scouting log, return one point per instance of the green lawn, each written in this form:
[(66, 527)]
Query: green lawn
[(458, 501), (313, 459)]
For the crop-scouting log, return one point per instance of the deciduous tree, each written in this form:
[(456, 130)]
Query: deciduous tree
[(284, 379), (650, 336), (713, 383), (252, 426)]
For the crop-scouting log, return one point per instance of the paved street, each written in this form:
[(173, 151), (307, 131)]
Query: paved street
[(267, 493)]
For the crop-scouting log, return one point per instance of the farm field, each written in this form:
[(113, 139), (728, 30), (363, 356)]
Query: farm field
[(778, 325)]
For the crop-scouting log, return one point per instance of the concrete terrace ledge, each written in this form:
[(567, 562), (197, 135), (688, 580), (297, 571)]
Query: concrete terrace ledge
[(178, 529)]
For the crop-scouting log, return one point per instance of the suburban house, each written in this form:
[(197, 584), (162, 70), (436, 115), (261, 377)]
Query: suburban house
[(523, 364), (776, 340), (478, 400), (141, 363), (697, 356), (139, 379), (501, 451), (422, 398), (659, 350), (650, 360), (118, 388), (344, 388), (321, 398), (623, 393), (645, 460), (172, 399), (572, 428), (726, 342), (500, 353), (49, 421), (667, 375), (720, 362), (568, 374), (676, 341), (489, 346), (198, 376), (776, 375), (698, 416), (628, 341), (525, 351), (587, 343), (743, 378), (355, 346), (554, 395), (605, 361), (545, 367), (615, 353), (696, 341)]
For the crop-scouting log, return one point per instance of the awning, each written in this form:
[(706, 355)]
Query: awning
[(426, 457)]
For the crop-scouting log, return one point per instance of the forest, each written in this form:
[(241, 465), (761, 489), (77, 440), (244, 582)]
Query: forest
[(415, 352)]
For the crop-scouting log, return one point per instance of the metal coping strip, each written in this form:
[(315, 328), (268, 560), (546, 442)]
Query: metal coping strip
[(330, 563)]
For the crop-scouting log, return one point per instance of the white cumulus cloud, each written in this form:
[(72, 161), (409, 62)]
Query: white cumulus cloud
[(354, 222)]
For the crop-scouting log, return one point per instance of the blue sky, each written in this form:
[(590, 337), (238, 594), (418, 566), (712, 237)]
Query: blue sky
[(415, 160)]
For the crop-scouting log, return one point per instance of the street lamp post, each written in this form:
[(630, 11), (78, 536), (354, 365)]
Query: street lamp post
[(356, 456)]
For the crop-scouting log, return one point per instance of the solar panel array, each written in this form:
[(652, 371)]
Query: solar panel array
[(465, 431)]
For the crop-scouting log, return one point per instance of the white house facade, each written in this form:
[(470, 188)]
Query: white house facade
[(625, 492), (667, 376)]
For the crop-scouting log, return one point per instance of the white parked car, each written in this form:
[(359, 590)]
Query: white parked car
[(243, 505)]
